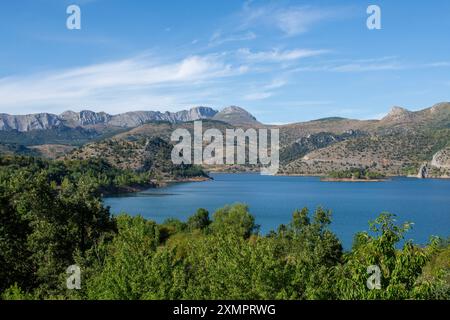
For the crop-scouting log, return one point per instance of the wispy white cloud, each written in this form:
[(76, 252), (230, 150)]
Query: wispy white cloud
[(257, 96), (290, 20), (144, 80), (299, 20), (357, 65), (275, 84), (277, 55), (369, 65), (265, 91), (219, 37), (438, 64)]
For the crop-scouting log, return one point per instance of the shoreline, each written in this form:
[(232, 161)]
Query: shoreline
[(153, 184), (164, 183), (105, 192), (386, 178), (352, 180)]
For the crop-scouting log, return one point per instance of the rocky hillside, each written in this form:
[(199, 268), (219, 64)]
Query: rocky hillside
[(439, 166), (152, 155), (86, 118), (393, 154), (441, 159), (236, 116), (314, 141), (29, 122), (135, 118), (398, 144), (79, 128), (133, 149)]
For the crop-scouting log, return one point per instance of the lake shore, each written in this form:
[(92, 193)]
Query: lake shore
[(274, 199), (325, 179), (153, 184), (164, 183), (322, 177), (126, 189), (352, 180)]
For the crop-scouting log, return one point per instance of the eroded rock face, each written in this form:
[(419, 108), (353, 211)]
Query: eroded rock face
[(423, 172), (233, 115), (85, 118), (398, 114), (441, 159), (38, 121), (137, 118), (440, 107)]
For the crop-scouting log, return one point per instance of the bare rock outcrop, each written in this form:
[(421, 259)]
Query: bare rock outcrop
[(441, 159)]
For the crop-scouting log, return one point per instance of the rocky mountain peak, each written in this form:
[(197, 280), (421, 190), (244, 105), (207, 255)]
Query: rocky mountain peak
[(398, 114), (88, 119), (68, 114), (234, 109), (236, 116), (85, 117), (440, 107), (201, 112), (28, 122), (398, 111)]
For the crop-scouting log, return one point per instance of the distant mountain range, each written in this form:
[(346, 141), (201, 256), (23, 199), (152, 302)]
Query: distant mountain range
[(399, 144), (90, 119)]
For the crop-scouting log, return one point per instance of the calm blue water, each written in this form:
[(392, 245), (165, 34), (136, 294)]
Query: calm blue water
[(272, 199)]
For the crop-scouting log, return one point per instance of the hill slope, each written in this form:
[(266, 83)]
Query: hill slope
[(400, 143)]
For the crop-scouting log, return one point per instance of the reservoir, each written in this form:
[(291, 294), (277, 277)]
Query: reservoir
[(273, 199)]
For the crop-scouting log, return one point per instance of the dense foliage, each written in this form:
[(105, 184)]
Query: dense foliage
[(52, 216), (356, 173)]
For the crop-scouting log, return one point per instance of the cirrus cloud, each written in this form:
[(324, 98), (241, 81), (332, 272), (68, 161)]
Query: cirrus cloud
[(277, 55), (290, 20), (140, 79)]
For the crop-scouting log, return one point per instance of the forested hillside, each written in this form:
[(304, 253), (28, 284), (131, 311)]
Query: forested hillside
[(52, 216)]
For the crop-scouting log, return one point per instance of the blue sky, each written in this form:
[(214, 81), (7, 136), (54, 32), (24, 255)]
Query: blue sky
[(284, 61)]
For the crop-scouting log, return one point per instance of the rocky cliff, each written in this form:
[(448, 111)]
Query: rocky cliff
[(86, 118), (23, 123), (441, 159)]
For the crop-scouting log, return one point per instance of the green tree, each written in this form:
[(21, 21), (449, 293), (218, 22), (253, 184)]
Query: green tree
[(133, 267), (400, 269), (199, 221), (235, 219)]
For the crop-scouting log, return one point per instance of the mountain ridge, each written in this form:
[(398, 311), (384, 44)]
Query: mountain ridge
[(233, 115), (89, 119), (398, 144)]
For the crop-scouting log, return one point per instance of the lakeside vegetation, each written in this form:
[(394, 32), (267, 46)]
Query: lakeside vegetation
[(52, 216), (355, 174)]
